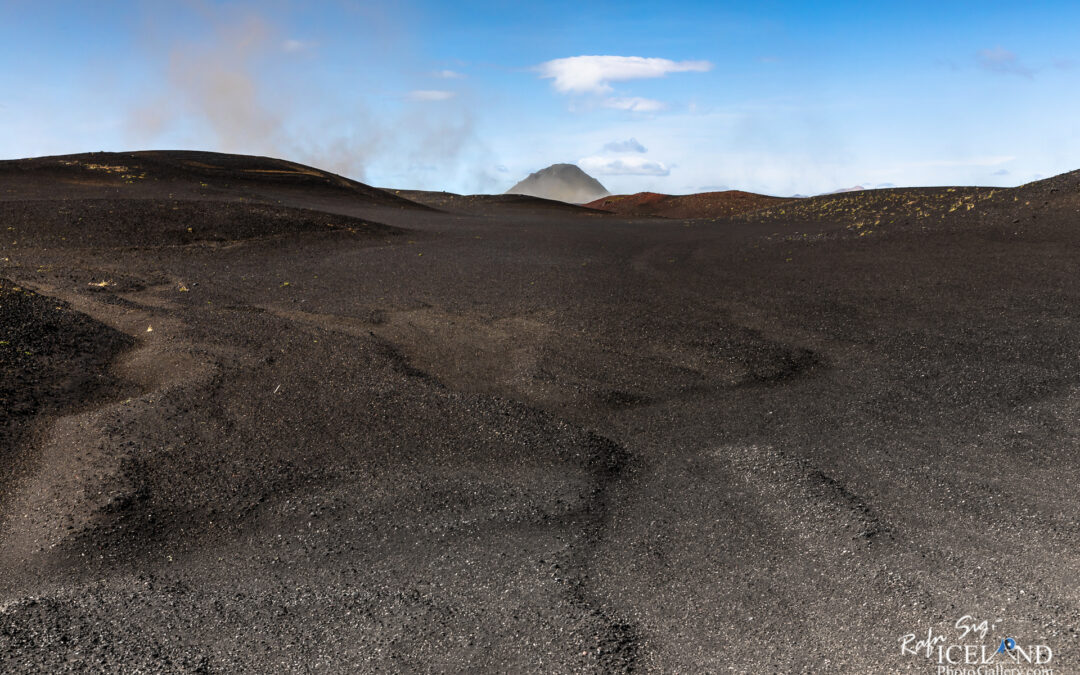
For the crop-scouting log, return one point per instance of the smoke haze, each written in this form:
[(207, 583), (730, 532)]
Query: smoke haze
[(247, 87)]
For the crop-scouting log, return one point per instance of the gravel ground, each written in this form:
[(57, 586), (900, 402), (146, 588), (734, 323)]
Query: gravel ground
[(258, 418)]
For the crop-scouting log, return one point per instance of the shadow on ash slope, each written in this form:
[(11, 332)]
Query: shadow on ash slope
[(397, 489), (433, 511), (601, 379), (406, 523)]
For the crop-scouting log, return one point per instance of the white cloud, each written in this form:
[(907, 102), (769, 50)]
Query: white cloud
[(594, 74), (448, 74), (296, 46), (629, 145), (623, 166), (431, 95), (634, 104)]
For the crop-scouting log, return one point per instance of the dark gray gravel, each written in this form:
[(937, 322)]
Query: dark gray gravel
[(324, 430)]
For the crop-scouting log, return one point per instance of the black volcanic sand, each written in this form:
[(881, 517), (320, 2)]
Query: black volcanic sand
[(327, 429)]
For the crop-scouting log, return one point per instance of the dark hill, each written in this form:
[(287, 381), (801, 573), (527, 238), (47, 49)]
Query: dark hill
[(180, 174), (158, 198), (480, 204)]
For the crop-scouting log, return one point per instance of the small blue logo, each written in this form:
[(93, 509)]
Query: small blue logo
[(1007, 645)]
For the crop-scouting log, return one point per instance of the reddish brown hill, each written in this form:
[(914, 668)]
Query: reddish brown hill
[(700, 205)]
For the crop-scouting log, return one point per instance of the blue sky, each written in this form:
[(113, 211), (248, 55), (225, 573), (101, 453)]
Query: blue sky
[(775, 97)]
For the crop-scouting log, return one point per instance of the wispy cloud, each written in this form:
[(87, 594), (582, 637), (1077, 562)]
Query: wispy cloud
[(946, 64), (1002, 61), (995, 160), (634, 104), (293, 46), (431, 95), (989, 161), (623, 166), (448, 74), (594, 74), (629, 145)]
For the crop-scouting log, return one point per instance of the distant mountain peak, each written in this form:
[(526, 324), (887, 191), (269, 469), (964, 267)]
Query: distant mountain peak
[(855, 188), (564, 182)]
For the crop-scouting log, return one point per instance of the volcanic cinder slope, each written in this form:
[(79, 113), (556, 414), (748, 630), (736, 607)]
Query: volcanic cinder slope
[(701, 205), (260, 418), (562, 182)]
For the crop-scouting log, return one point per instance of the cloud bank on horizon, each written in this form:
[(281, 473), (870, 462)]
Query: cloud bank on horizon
[(782, 99), (623, 166)]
